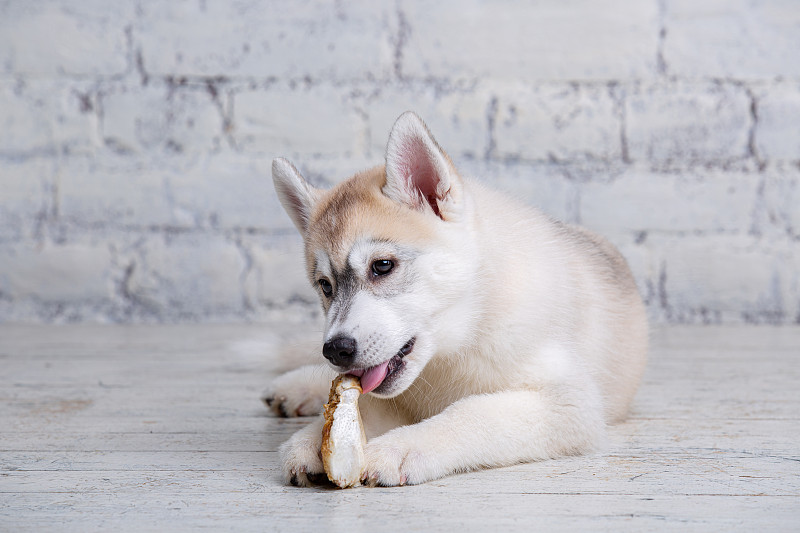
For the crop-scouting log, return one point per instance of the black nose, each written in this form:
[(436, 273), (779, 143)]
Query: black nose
[(340, 351)]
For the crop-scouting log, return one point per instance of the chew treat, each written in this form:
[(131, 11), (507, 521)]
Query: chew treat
[(343, 438)]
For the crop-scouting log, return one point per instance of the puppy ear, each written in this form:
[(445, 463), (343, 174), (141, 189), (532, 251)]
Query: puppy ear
[(418, 172), (294, 192)]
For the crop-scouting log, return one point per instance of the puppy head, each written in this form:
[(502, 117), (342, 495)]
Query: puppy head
[(384, 251)]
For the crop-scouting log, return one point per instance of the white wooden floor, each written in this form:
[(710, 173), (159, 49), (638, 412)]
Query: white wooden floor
[(160, 428)]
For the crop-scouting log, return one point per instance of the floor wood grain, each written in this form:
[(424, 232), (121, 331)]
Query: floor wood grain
[(160, 428)]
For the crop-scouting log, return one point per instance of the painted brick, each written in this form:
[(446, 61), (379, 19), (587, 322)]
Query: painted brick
[(570, 40), (187, 277), (58, 37), (158, 117), (729, 279), (777, 133), (136, 140), (114, 190), (738, 39), (557, 122), (540, 186), (228, 190), (56, 273), (309, 38), (305, 122), (457, 119), (642, 258), (278, 275), (47, 116), (688, 123), (712, 202), (216, 191), (25, 195), (780, 205)]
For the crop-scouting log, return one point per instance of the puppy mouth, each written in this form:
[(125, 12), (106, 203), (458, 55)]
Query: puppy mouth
[(375, 376)]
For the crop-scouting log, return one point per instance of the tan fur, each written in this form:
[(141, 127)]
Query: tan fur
[(355, 208)]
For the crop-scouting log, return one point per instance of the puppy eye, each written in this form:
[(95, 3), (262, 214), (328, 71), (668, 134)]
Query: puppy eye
[(381, 267), (327, 288)]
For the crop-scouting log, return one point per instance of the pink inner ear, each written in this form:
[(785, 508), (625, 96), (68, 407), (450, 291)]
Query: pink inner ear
[(419, 172)]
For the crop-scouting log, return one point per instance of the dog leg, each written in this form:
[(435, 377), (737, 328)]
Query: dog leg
[(300, 392), (301, 457), (487, 430)]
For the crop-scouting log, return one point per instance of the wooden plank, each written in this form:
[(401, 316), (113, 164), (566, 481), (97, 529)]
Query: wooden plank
[(161, 428), (253, 433), (734, 337), (713, 472), (52, 369), (765, 390), (164, 460), (389, 510)]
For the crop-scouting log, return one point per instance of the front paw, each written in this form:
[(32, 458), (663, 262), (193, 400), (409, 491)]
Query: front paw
[(301, 392), (301, 457), (391, 462)]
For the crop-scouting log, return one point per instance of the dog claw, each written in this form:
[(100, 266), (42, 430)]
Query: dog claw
[(294, 479), (301, 477), (282, 410), (298, 477), (279, 406)]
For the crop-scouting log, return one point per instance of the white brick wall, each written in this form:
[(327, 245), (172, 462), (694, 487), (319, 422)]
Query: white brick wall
[(516, 41), (265, 40), (136, 140), (709, 202), (777, 134), (675, 124), (54, 39), (558, 123), (738, 39), (263, 127), (57, 272)]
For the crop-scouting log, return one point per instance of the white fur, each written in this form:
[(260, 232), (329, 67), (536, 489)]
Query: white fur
[(531, 335), (294, 193)]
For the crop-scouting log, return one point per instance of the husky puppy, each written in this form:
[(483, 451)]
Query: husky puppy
[(484, 332)]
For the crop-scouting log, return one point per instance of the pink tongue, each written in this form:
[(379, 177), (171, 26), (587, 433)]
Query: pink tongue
[(372, 377)]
